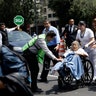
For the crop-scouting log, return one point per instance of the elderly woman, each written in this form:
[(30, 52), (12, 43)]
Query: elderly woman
[(72, 60)]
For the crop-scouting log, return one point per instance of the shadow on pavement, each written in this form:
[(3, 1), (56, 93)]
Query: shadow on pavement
[(92, 87), (56, 90)]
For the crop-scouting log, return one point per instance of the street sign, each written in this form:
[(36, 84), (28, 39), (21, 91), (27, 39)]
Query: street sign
[(18, 20)]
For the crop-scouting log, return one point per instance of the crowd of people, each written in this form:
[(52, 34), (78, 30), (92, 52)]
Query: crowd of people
[(44, 48), (85, 36)]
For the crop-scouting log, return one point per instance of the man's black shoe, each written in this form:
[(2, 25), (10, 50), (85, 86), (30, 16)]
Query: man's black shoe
[(38, 90), (43, 80)]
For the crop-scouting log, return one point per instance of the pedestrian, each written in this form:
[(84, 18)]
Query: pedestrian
[(53, 45), (4, 31), (70, 32), (34, 52), (14, 74), (94, 26), (86, 38), (94, 46), (4, 35)]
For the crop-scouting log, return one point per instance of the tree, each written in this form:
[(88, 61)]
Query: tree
[(76, 9), (61, 7), (83, 10), (10, 8)]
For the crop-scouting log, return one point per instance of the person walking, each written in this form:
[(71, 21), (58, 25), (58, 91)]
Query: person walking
[(4, 36), (53, 45), (70, 32), (13, 68), (86, 38), (34, 52), (14, 74), (94, 27), (4, 31), (94, 46)]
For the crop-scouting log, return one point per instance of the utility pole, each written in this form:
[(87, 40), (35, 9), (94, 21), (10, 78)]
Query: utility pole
[(35, 13)]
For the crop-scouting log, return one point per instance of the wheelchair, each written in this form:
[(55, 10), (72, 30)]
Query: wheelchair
[(68, 77)]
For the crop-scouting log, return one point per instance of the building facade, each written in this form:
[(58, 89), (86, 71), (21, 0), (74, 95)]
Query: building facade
[(43, 12)]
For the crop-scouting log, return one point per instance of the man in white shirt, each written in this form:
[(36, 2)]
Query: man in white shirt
[(4, 37), (3, 34)]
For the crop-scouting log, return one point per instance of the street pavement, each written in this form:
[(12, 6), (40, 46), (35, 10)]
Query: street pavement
[(51, 88)]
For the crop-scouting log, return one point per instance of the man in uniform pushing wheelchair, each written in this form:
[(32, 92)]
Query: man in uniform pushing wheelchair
[(74, 65)]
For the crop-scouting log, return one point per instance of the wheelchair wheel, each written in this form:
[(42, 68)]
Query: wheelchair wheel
[(60, 82), (68, 79), (88, 72)]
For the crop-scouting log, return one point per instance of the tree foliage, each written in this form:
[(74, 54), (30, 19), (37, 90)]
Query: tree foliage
[(61, 7), (10, 8), (76, 9), (83, 10)]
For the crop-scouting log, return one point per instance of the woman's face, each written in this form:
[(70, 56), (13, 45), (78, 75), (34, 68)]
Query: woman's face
[(82, 27), (75, 47)]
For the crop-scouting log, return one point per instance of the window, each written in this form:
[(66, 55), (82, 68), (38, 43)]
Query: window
[(54, 15), (45, 10), (45, 17), (49, 15)]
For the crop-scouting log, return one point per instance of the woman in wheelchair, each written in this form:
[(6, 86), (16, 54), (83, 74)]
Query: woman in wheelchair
[(72, 60)]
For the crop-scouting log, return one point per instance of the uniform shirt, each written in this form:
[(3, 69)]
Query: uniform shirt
[(56, 39), (88, 34), (41, 44)]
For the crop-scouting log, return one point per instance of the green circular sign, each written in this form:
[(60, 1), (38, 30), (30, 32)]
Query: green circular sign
[(18, 20)]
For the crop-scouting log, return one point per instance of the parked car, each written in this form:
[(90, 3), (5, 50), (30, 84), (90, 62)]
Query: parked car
[(17, 39)]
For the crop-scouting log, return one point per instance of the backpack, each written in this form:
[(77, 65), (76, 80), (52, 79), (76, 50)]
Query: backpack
[(14, 86), (16, 74), (13, 62)]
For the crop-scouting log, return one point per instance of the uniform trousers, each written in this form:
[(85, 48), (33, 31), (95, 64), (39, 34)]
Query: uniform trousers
[(47, 60), (34, 68)]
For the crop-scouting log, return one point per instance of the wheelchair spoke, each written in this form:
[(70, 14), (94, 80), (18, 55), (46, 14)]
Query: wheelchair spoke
[(88, 72)]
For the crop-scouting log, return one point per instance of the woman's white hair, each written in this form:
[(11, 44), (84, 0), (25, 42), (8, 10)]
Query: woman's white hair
[(76, 42)]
